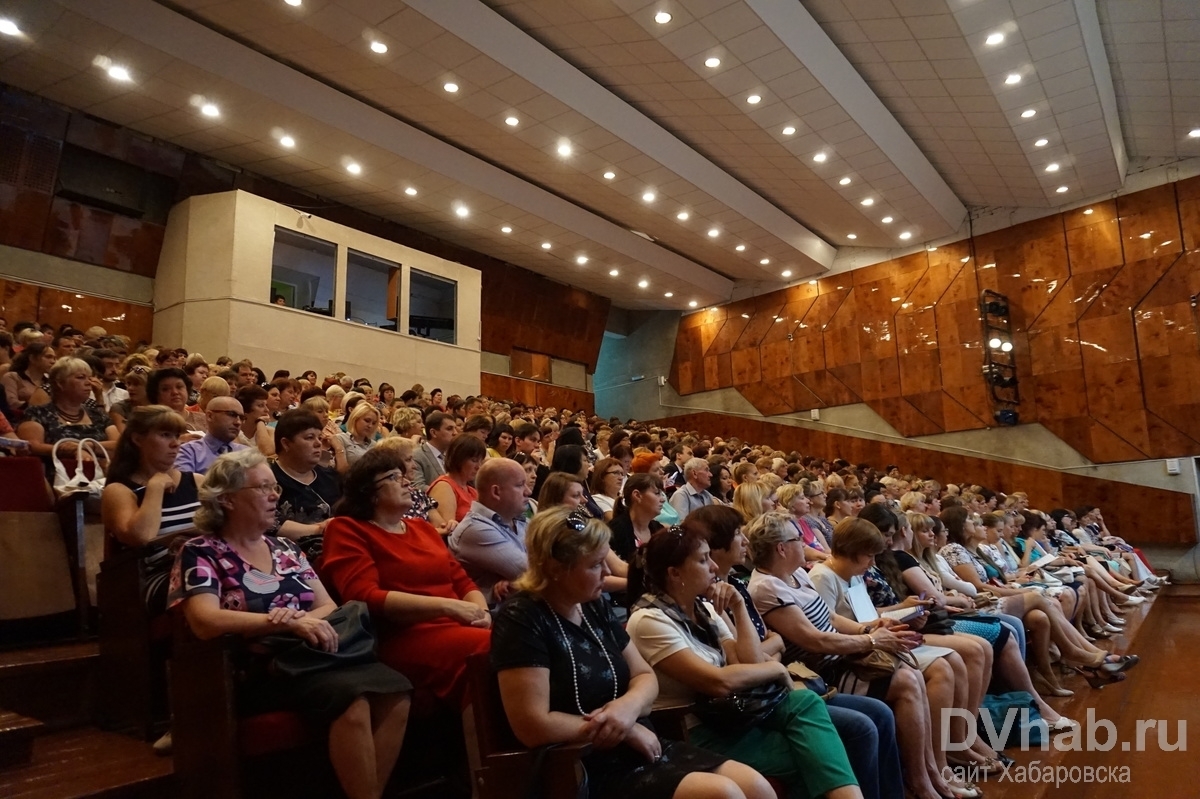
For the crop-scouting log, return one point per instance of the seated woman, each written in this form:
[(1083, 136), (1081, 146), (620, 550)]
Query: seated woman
[(68, 416), (682, 627), (816, 515), (572, 459), (169, 387), (753, 499), (238, 580), (455, 489), (308, 490), (430, 615), (567, 490), (641, 501), (147, 502), (500, 441), (1043, 618), (721, 483), (856, 543), (569, 673), (793, 501), (25, 376), (822, 639), (423, 508), (362, 430), (605, 485), (649, 463), (866, 726)]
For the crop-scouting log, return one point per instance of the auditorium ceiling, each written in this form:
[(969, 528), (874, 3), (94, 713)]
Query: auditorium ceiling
[(663, 154)]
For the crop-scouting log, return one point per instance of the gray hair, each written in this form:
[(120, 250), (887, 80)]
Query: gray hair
[(695, 465), (64, 368), (765, 533), (226, 475)]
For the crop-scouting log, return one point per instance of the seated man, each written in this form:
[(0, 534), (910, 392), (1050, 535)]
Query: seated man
[(489, 542), (224, 416)]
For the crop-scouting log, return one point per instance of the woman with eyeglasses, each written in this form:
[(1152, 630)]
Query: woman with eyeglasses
[(569, 673), (605, 483), (147, 502), (430, 615), (238, 580)]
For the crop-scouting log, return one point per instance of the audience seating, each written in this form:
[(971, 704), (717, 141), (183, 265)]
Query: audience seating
[(501, 767)]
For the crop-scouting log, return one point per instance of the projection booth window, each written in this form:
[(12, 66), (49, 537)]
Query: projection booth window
[(432, 307), (302, 272), (372, 290)]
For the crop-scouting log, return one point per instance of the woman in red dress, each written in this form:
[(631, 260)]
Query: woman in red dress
[(429, 613)]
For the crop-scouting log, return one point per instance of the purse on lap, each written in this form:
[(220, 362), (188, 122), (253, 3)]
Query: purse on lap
[(294, 657)]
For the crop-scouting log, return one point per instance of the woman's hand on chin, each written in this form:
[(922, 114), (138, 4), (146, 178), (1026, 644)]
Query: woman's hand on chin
[(724, 597)]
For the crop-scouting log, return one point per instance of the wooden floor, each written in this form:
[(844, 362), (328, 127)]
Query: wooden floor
[(1165, 685), (88, 762)]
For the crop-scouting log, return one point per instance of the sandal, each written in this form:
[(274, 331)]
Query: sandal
[(1099, 679)]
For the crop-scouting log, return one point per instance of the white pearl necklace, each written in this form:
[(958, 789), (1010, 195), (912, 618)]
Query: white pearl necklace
[(571, 654)]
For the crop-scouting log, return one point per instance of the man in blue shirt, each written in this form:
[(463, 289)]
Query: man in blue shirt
[(489, 542), (225, 417)]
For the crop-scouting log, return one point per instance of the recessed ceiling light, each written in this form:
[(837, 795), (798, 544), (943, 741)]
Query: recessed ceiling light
[(450, 87), (1088, 211), (789, 130), (765, 261), (119, 73), (693, 304), (648, 197), (1013, 79), (614, 272), (506, 229), (292, 2), (462, 211), (1041, 142), (844, 182), (786, 273), (820, 158), (712, 62), (410, 191), (9, 28), (754, 99), (1029, 113), (1061, 190), (713, 233), (287, 141), (740, 248), (852, 235), (1051, 167), (353, 168), (512, 122), (669, 294), (994, 38), (1194, 133), (934, 249), (609, 175), (887, 220), (906, 235), (643, 284), (868, 201), (581, 260), (379, 47), (682, 216), (210, 110), (662, 17), (546, 245), (564, 149)]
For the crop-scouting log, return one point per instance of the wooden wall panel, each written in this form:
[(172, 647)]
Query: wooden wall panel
[(1106, 342), (22, 301), (1140, 514)]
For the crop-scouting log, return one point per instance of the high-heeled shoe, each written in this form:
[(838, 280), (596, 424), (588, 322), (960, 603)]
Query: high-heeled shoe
[(1097, 678), (1047, 688), (1096, 631)]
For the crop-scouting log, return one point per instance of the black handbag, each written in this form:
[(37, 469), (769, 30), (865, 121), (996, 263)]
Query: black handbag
[(743, 709), (938, 622), (294, 657)]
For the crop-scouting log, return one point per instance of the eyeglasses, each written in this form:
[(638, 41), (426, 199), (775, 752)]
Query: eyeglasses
[(790, 540), (394, 477), (241, 417), (266, 489), (614, 473)]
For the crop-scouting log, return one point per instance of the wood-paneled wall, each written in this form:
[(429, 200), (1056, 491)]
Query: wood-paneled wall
[(1138, 513), (1105, 337), (21, 301), (520, 309), (532, 393)]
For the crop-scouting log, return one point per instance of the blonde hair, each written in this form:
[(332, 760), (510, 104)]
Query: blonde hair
[(318, 405), (403, 445), (404, 418), (549, 540), (787, 494), (770, 481), (748, 499), (361, 410), (910, 500)]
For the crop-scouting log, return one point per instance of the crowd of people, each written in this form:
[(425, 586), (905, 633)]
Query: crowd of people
[(609, 568)]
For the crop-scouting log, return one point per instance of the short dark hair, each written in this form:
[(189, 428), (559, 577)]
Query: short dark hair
[(358, 493), (478, 422), (462, 449), (159, 375), (718, 524), (570, 459), (525, 430), (435, 420), (881, 516), (248, 395), (668, 548), (293, 423)]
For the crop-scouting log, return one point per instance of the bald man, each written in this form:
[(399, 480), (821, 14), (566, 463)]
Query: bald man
[(490, 540), (225, 417)]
